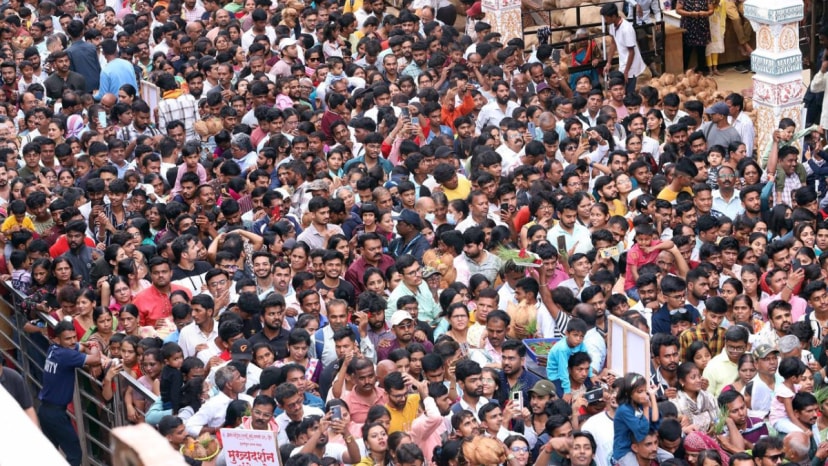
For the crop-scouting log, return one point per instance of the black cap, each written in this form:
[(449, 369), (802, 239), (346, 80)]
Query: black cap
[(241, 350)]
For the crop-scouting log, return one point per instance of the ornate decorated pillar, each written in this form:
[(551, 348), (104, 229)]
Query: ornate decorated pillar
[(505, 18), (777, 85)]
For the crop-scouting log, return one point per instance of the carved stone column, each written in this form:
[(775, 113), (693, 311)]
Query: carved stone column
[(505, 18), (777, 85)]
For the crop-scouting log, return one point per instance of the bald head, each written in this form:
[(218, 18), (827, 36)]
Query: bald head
[(796, 446), (108, 100), (385, 367), (424, 205)]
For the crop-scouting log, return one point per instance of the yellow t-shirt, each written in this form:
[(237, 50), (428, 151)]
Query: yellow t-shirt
[(462, 190), (401, 420), (11, 222), (669, 195)]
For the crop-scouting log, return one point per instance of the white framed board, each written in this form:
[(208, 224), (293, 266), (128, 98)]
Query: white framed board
[(628, 348)]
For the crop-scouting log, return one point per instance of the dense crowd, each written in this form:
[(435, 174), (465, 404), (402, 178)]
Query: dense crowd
[(342, 225)]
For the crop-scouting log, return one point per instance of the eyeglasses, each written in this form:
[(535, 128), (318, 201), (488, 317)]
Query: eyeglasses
[(520, 449), (727, 177), (678, 296), (735, 349), (218, 283), (414, 273), (682, 310), (776, 458)]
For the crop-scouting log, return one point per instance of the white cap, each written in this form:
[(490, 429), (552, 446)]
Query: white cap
[(287, 42), (400, 317)]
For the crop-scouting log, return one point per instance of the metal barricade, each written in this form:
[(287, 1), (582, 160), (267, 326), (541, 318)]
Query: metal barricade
[(93, 417)]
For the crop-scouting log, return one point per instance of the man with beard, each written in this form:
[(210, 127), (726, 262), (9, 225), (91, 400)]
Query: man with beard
[(5, 187), (778, 324), (514, 374), (428, 428), (290, 55), (647, 286), (665, 350), (404, 395), (419, 60), (313, 432), (698, 286), (637, 125), (273, 331), (188, 271), (63, 78), (750, 197), (469, 376), (726, 198), (153, 303), (535, 415), (576, 236), (602, 428), (748, 429), (403, 327), (290, 400), (709, 330), (645, 451), (79, 254), (261, 415), (365, 393), (493, 112), (263, 273), (195, 84), (477, 259)]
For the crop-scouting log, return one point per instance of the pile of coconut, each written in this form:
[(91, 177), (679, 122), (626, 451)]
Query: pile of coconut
[(695, 86)]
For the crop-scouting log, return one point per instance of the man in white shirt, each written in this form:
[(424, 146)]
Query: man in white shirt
[(630, 62), (290, 400), (739, 120), (576, 236), (493, 112), (511, 150), (210, 417), (670, 109), (196, 335)]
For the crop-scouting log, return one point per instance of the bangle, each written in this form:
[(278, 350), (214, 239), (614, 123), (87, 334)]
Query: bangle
[(789, 287), (349, 439)]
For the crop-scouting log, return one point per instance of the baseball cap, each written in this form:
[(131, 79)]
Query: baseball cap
[(543, 388), (241, 350), (399, 317), (412, 218), (718, 107), (429, 271), (287, 42), (541, 87), (762, 351)]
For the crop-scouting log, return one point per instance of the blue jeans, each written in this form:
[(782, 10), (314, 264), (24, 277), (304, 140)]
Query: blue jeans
[(57, 427)]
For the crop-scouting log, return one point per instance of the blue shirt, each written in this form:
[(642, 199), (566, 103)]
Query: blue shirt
[(557, 363), (627, 421), (83, 59), (115, 74), (59, 374), (661, 319)]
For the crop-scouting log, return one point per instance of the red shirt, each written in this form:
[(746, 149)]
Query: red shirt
[(153, 305)]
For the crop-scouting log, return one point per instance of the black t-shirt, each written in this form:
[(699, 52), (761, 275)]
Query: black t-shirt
[(199, 267), (344, 291), (13, 382)]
